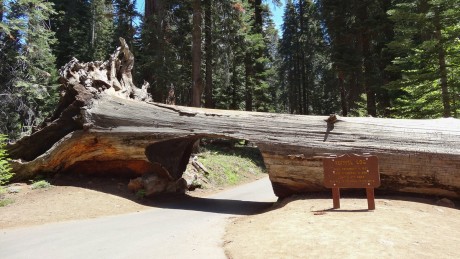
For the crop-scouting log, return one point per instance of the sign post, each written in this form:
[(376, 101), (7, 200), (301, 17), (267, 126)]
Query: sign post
[(352, 171)]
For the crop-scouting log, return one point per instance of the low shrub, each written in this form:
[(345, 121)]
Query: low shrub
[(5, 168), (40, 185), (5, 202)]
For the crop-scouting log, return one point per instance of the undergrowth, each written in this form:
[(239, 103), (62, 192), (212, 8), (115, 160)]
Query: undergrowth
[(6, 201), (3, 200), (40, 185), (5, 169), (231, 163)]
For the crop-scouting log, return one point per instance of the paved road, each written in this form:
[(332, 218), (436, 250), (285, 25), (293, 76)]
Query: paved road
[(180, 228)]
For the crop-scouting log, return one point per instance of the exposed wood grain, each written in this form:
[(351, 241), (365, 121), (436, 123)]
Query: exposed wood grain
[(417, 156)]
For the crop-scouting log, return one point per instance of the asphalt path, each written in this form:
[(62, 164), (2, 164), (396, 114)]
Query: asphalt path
[(183, 227)]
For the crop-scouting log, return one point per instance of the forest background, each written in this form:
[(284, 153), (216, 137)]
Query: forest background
[(381, 58)]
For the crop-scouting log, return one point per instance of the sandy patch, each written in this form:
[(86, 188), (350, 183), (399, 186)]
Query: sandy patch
[(304, 228)]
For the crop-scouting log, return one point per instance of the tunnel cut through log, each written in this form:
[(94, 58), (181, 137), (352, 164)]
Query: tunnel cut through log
[(103, 117)]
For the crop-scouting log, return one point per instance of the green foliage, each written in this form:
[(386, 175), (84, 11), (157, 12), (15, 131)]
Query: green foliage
[(27, 94), (164, 58), (6, 202), (125, 15), (102, 29), (5, 169), (305, 71), (256, 56), (243, 74), (361, 57), (71, 23), (228, 63), (42, 184), (425, 45), (357, 32), (140, 194), (228, 164)]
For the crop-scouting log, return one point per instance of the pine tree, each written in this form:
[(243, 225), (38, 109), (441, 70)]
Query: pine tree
[(254, 59), (9, 51), (228, 67), (239, 77), (305, 70), (102, 29), (273, 102), (70, 24), (29, 92), (165, 54), (125, 15), (358, 32), (425, 35), (197, 80), (208, 8)]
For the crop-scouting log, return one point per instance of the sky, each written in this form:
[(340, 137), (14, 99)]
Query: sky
[(277, 12), (278, 15)]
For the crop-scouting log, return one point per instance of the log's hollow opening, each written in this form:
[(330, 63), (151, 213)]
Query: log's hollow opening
[(174, 154)]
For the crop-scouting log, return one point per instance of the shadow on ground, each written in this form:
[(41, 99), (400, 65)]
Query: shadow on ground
[(118, 186), (221, 206), (361, 194)]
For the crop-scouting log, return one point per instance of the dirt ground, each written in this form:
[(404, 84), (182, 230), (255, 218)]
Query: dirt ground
[(80, 197), (299, 227), (306, 227)]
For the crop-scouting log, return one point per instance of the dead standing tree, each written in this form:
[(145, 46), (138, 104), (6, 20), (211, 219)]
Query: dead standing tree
[(104, 124)]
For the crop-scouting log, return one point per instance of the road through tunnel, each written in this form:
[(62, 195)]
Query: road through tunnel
[(174, 155)]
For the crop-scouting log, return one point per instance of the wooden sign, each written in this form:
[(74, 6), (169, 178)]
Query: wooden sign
[(352, 171)]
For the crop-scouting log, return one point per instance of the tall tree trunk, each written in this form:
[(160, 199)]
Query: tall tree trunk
[(291, 88), (442, 66), (1, 10), (154, 7), (1, 15), (154, 20), (303, 72), (197, 81), (353, 87), (149, 7), (93, 27), (249, 75), (298, 80), (367, 60), (258, 23), (209, 103), (234, 96), (250, 58), (343, 95)]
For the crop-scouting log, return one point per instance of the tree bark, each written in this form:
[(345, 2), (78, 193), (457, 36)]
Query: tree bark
[(197, 81), (248, 80), (1, 10), (368, 63), (303, 72), (114, 130), (442, 66), (258, 21), (343, 94), (1, 15), (209, 103), (151, 7)]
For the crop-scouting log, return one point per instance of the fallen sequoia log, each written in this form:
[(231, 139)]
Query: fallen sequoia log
[(104, 124)]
